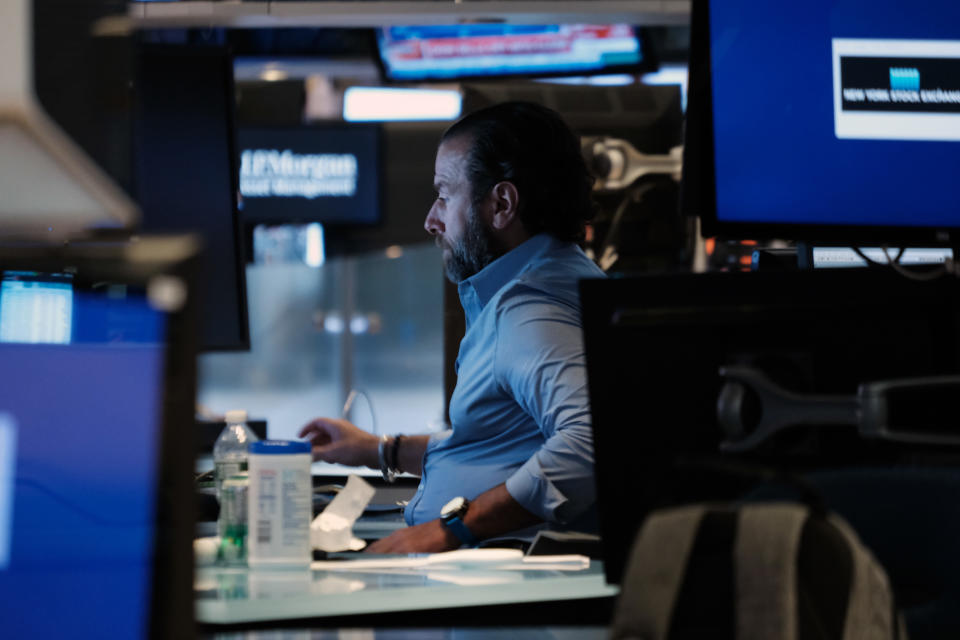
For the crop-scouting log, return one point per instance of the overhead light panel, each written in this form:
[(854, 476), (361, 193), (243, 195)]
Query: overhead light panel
[(273, 75), (388, 104)]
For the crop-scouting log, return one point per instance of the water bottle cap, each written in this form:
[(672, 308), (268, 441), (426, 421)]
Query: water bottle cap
[(236, 415)]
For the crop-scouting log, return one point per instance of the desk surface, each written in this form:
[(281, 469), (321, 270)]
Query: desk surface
[(552, 632), (231, 596)]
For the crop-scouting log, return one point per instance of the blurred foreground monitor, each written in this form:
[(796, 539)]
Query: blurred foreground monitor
[(97, 385)]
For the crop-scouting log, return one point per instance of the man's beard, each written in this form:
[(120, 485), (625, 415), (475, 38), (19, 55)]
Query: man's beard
[(476, 249)]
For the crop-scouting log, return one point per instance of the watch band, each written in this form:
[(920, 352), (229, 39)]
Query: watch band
[(459, 529)]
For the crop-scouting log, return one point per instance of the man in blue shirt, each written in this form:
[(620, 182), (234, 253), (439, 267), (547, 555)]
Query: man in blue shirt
[(513, 198)]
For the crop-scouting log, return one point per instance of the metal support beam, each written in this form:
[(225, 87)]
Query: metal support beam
[(235, 14)]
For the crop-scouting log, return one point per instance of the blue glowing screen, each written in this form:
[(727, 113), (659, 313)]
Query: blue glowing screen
[(836, 112), (79, 452)]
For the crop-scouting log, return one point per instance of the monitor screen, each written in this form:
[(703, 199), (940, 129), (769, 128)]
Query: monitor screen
[(80, 490), (325, 174), (85, 539), (36, 307), (448, 52), (849, 131), (185, 174)]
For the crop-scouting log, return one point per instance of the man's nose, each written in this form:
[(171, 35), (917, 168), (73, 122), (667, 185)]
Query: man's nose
[(432, 224)]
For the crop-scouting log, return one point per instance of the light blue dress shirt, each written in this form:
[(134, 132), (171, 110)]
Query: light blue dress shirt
[(520, 413)]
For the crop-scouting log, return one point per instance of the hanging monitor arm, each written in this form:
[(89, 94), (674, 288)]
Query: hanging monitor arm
[(617, 164), (915, 410)]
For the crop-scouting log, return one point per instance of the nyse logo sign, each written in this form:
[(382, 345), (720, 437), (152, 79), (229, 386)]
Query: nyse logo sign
[(896, 89)]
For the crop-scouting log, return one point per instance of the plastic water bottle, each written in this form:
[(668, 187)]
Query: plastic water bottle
[(230, 450)]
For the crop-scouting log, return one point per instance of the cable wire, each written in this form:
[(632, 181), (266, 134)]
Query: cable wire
[(634, 194), (348, 406), (894, 263)]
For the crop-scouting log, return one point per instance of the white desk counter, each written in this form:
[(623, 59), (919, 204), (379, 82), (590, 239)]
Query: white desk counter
[(239, 596)]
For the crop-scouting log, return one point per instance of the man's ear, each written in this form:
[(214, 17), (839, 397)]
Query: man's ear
[(505, 200)]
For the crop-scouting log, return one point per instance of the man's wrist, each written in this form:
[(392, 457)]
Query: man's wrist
[(450, 540), (371, 446), (453, 515)]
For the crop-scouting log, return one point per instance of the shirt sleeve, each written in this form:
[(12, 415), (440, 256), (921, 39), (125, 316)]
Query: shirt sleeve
[(540, 361)]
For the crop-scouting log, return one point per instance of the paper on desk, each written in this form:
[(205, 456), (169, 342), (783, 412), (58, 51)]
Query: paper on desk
[(476, 578), (332, 530), (205, 550), (501, 559)]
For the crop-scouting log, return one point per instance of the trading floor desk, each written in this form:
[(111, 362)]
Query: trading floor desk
[(407, 596), (449, 595)]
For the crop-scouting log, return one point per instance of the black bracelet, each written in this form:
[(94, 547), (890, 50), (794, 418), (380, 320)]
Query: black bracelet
[(394, 454)]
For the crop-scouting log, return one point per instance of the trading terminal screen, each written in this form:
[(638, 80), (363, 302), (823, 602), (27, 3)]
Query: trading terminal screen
[(835, 112), (36, 307)]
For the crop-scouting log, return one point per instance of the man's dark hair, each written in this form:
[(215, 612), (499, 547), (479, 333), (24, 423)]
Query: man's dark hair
[(532, 147)]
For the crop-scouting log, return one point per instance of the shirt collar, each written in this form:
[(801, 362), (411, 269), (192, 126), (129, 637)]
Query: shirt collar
[(477, 290)]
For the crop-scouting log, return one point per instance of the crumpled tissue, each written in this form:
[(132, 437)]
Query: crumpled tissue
[(332, 530)]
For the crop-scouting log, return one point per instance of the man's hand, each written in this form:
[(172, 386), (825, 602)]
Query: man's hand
[(341, 442), (429, 537), (491, 514)]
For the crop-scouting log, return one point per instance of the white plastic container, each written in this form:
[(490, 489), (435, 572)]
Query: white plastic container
[(280, 504)]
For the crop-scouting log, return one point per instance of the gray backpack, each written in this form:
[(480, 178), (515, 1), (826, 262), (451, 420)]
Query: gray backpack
[(764, 571)]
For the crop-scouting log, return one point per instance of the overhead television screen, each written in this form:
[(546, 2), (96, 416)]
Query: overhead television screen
[(447, 52), (831, 113), (329, 175)]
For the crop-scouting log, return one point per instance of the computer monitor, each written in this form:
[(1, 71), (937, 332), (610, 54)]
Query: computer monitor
[(655, 346), (329, 174), (454, 52), (185, 174), (824, 121), (96, 498)]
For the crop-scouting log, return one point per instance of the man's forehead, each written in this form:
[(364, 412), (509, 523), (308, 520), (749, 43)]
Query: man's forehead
[(451, 160), (445, 177)]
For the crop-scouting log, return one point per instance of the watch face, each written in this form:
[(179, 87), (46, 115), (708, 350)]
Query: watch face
[(453, 507)]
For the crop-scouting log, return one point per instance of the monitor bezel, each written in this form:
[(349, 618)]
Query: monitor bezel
[(699, 187), (648, 63)]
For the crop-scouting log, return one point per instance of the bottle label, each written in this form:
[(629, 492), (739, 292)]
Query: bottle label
[(232, 523), (224, 469)]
